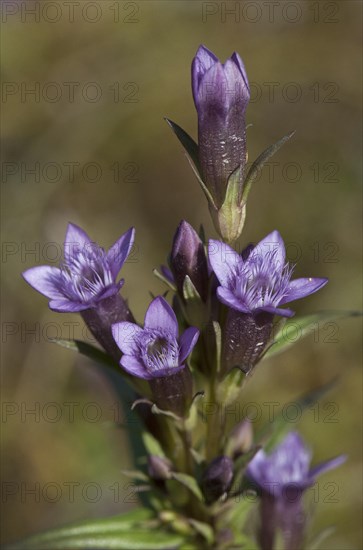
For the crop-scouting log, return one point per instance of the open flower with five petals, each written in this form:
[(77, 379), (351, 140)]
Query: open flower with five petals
[(261, 280), (155, 351), (87, 275), (282, 477), (288, 466)]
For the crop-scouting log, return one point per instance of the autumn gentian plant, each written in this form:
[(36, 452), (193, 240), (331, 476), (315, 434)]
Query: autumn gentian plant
[(222, 314)]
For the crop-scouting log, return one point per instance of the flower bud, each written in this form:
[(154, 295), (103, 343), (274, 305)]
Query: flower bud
[(217, 478), (221, 94), (159, 468), (188, 258), (241, 438)]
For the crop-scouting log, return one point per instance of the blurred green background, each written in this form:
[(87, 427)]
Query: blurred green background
[(102, 156)]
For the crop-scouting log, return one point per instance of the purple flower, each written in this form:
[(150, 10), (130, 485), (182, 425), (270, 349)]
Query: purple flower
[(155, 351), (188, 258), (86, 277), (221, 94), (157, 354), (282, 477), (288, 466), (259, 282)]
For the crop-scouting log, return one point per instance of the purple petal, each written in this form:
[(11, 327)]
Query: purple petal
[(203, 60), (294, 444), (299, 288), (206, 56), (167, 273), (118, 252), (255, 468), (213, 92), (287, 465), (277, 311), (133, 366), (273, 243), (110, 291), (67, 306), (328, 465), (238, 61), (236, 88), (187, 342), (125, 334), (224, 261), (229, 299), (43, 279), (161, 316), (75, 239)]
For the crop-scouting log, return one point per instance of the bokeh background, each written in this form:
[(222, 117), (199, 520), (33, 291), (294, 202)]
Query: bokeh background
[(90, 145)]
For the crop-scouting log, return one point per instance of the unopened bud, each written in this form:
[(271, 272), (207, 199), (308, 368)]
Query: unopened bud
[(217, 478), (241, 439), (188, 258), (159, 468)]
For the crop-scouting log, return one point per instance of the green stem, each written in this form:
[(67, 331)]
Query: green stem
[(188, 458), (215, 425)]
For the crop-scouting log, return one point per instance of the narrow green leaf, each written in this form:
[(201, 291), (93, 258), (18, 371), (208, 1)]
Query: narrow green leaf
[(229, 388), (297, 328), (218, 338), (135, 539), (155, 410), (189, 290), (202, 234), (259, 163), (187, 142), (152, 445), (192, 418), (203, 529), (236, 513), (202, 184), (123, 532), (231, 198), (316, 542), (162, 278), (189, 482), (135, 474), (271, 433), (86, 349), (232, 214), (240, 466)]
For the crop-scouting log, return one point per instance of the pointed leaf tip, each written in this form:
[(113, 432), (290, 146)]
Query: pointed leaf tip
[(260, 162)]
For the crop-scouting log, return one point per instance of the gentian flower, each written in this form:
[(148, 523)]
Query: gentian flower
[(87, 275), (254, 286), (261, 281), (156, 353), (282, 477), (221, 94), (188, 258), (86, 282)]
